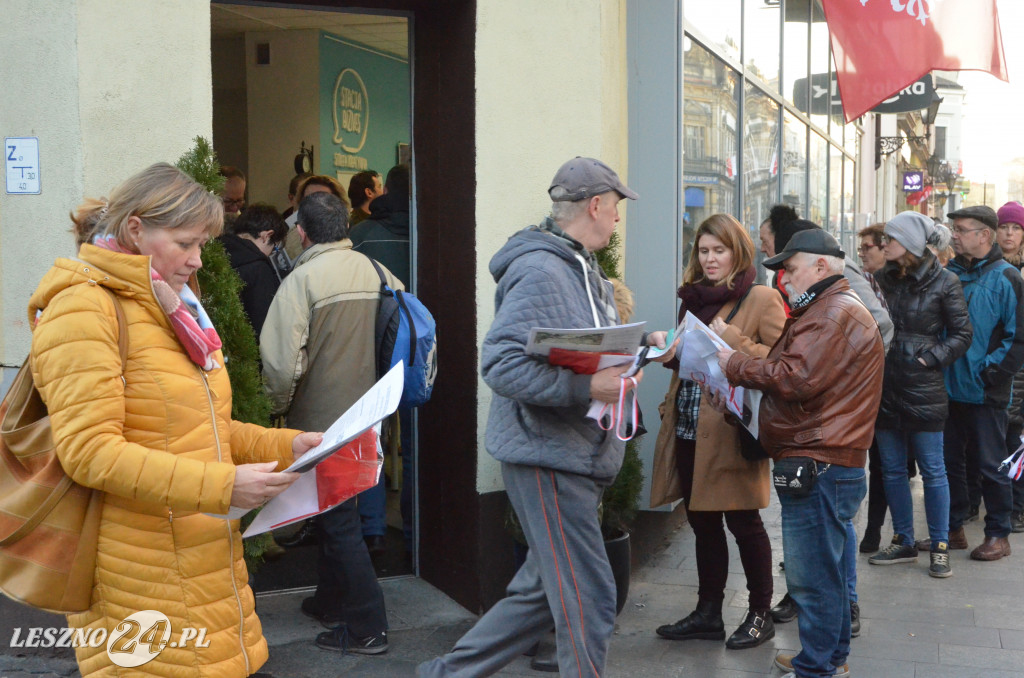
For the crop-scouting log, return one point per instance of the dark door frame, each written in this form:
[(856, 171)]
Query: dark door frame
[(462, 548)]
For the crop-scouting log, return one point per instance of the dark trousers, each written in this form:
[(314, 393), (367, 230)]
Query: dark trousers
[(712, 548), (978, 433), (878, 506), (348, 583)]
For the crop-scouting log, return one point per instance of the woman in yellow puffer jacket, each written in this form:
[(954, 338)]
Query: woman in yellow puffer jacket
[(157, 440)]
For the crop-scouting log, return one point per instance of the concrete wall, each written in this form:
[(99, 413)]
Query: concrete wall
[(284, 109), (81, 77), (550, 85)]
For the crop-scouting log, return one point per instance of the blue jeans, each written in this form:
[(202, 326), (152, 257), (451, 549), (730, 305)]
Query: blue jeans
[(850, 560), (928, 450), (814, 543)]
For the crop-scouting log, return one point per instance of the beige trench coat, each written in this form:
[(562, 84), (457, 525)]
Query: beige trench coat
[(722, 479)]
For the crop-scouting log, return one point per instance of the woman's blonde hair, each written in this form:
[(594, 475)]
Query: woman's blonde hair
[(733, 236), (161, 196)]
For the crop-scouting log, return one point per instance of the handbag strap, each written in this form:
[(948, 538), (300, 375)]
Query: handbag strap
[(736, 308), (65, 483)]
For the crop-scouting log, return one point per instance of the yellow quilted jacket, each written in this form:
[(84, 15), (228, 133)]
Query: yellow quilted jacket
[(162, 446)]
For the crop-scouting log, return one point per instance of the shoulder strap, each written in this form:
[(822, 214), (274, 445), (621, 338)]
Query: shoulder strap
[(376, 267), (736, 308), (122, 329)]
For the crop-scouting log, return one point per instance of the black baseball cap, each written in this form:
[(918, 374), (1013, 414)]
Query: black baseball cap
[(582, 178), (812, 241), (982, 213)]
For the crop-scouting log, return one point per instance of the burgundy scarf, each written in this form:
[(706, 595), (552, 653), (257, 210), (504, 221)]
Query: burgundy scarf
[(705, 300)]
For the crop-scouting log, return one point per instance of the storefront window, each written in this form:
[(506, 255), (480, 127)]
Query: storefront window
[(761, 49), (835, 192), (819, 65), (850, 223), (817, 205), (710, 118), (760, 157), (717, 23), (794, 163), (794, 50)]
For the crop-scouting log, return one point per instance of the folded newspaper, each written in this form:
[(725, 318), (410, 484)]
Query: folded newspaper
[(698, 362)]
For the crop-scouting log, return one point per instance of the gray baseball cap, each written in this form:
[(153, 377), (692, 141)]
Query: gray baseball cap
[(582, 178)]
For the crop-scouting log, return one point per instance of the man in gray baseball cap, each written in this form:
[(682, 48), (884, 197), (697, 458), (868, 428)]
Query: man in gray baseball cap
[(555, 461)]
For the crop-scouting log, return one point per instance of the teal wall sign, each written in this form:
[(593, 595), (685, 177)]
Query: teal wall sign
[(364, 107)]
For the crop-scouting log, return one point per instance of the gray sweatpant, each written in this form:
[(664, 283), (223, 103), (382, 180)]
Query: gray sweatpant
[(566, 582)]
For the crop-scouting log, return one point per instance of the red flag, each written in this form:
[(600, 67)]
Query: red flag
[(882, 46)]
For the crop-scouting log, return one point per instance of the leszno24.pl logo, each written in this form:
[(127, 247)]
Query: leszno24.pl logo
[(136, 640)]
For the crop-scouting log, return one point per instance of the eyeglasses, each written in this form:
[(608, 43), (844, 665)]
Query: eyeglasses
[(964, 231), (864, 249)]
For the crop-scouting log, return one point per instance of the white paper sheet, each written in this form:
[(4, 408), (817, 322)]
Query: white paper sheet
[(374, 406)]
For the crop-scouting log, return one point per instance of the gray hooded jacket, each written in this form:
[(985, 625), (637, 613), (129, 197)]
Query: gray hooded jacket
[(538, 413)]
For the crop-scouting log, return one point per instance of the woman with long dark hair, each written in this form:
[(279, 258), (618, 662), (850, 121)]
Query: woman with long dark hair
[(698, 456)]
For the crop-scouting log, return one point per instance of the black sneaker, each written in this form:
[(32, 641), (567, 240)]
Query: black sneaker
[(785, 611), (340, 640), (896, 552), (311, 608), (1017, 521), (940, 561)]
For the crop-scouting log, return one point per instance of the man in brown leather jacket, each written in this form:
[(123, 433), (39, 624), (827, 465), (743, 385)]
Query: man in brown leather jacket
[(822, 382)]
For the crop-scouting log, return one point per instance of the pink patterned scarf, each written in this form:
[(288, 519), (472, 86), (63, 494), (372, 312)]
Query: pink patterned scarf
[(188, 317)]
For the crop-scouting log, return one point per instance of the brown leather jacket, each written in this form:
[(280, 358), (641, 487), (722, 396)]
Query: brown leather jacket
[(822, 381)]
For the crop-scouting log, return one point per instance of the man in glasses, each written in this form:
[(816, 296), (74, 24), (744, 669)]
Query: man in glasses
[(979, 383)]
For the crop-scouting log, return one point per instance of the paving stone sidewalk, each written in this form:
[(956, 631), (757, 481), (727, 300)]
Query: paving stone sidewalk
[(914, 626)]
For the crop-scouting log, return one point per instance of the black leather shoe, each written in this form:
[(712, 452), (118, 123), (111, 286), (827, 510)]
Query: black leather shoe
[(785, 611), (704, 623), (305, 535), (854, 620), (755, 630), (871, 541)]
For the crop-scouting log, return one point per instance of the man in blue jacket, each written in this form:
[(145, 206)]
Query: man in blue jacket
[(554, 460), (979, 383)]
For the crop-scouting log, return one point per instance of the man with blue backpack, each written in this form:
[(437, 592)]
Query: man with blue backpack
[(319, 356)]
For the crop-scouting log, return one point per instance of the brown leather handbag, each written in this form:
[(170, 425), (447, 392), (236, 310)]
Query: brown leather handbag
[(51, 524)]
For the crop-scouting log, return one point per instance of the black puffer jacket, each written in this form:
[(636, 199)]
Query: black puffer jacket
[(930, 317)]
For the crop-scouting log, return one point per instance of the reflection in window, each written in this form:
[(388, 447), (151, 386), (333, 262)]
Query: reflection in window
[(760, 158), (820, 61), (794, 47), (794, 163), (710, 110), (817, 205), (852, 222), (718, 22), (761, 54), (835, 195)]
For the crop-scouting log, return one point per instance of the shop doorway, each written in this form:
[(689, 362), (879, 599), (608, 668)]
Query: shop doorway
[(326, 91)]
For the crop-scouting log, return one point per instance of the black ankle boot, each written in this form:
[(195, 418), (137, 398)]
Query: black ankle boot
[(757, 628), (704, 623)]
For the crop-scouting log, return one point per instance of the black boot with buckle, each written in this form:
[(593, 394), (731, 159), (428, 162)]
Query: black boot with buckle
[(704, 623), (757, 628)]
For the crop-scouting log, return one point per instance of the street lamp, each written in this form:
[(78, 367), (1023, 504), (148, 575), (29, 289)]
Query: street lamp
[(942, 172)]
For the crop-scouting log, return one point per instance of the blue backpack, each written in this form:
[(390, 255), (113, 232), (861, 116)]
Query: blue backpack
[(406, 331)]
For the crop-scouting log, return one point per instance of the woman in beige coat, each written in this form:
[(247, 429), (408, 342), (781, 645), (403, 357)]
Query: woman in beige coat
[(697, 456)]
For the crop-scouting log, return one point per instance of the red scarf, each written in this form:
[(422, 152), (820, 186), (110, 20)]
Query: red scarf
[(189, 320), (705, 300)]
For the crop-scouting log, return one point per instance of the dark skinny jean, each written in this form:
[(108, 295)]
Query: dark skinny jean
[(712, 548)]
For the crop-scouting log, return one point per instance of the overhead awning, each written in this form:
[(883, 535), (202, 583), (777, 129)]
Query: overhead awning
[(883, 46)]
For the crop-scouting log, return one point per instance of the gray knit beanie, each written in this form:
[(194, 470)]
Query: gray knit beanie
[(913, 230)]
